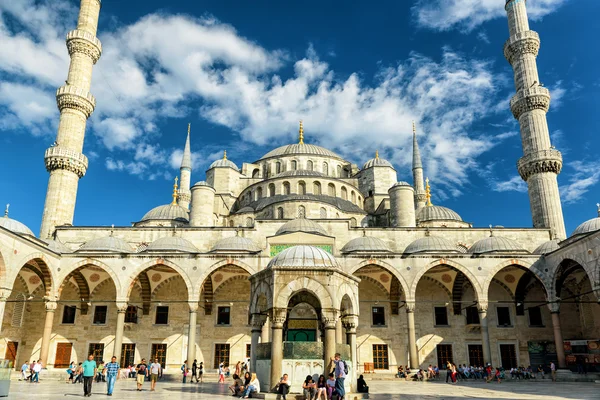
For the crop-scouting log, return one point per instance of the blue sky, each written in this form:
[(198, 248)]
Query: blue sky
[(244, 73)]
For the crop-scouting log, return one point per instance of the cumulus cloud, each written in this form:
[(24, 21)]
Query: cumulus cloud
[(583, 176), (514, 184), (468, 14)]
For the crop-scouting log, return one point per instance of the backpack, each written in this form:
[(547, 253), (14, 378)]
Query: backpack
[(345, 367)]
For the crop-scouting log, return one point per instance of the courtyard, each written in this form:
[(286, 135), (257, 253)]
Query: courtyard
[(380, 390)]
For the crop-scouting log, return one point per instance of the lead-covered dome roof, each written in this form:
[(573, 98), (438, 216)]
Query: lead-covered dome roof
[(224, 163), (172, 243), (367, 244), (304, 256), (300, 148), (377, 162), (107, 243), (14, 226), (301, 225), (496, 244), (299, 172), (588, 226), (547, 247), (431, 244), (437, 213), (235, 244), (171, 212)]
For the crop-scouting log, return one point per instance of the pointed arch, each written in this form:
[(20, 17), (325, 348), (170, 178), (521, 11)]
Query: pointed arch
[(541, 275), (39, 264), (450, 263), (86, 263), (157, 263), (285, 292), (208, 271), (388, 267)]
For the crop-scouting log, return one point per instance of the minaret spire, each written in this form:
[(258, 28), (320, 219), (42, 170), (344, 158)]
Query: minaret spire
[(417, 168), (301, 134), (64, 160), (541, 162), (185, 195)]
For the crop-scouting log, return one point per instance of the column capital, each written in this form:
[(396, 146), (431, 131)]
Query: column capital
[(193, 305), (350, 322), (121, 306), (482, 306), (410, 306), (554, 306), (51, 306), (258, 320), (278, 317), (329, 317)]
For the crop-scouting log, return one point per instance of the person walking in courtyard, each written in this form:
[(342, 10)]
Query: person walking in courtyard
[(155, 373), (201, 371), (111, 370), (36, 371), (553, 371), (24, 369), (89, 371), (194, 371), (142, 373), (184, 370), (238, 368), (221, 373), (340, 375)]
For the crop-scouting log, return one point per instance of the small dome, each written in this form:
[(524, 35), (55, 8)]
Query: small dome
[(437, 213), (172, 243), (377, 162), (401, 183), (300, 148), (107, 243), (547, 247), (167, 212), (235, 243), (13, 225), (301, 225), (496, 244), (304, 256), (431, 244), (366, 243), (299, 172), (202, 183), (58, 247), (224, 163), (588, 226)]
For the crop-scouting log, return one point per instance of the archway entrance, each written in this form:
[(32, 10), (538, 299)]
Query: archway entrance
[(302, 324)]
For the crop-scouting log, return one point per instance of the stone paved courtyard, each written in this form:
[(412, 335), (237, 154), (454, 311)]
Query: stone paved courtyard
[(381, 390)]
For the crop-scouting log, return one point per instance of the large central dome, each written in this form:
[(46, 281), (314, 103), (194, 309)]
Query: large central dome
[(300, 148)]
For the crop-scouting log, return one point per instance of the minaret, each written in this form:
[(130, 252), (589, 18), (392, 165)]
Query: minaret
[(417, 169), (64, 159), (185, 196), (541, 162)]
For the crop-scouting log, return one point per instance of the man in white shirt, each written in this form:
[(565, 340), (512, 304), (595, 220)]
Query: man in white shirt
[(553, 369), (36, 370), (155, 373)]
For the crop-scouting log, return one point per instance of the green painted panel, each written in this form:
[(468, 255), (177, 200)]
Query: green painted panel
[(278, 248)]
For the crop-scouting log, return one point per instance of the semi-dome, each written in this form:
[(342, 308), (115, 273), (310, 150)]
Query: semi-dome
[(57, 246), (172, 243), (299, 172), (170, 212), (14, 226), (377, 162), (437, 213), (224, 163), (235, 244), (106, 243), (496, 244), (301, 225), (304, 256), (588, 226), (300, 148), (431, 244), (245, 210), (366, 243), (547, 247)]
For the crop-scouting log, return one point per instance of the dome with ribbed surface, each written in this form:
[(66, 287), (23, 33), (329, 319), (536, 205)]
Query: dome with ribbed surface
[(431, 244), (107, 243), (304, 256), (496, 244), (437, 213), (299, 172), (224, 163), (300, 148), (547, 247), (377, 162), (172, 243), (301, 225), (57, 246), (366, 243), (588, 226), (170, 212), (14, 226), (245, 210), (234, 244), (401, 183), (202, 183)]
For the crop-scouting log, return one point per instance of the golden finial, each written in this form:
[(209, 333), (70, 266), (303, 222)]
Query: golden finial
[(174, 202), (428, 192), (189, 126), (301, 133), (224, 154), (414, 128), (376, 154)]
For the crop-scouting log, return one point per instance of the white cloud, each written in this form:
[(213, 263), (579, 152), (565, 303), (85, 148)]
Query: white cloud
[(482, 36), (557, 93), (118, 133), (469, 14), (29, 106), (584, 176), (514, 184), (177, 155)]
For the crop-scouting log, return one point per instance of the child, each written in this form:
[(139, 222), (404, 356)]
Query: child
[(498, 377), (330, 386)]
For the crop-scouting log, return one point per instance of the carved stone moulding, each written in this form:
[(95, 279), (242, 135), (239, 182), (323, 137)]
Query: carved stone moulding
[(527, 42), (61, 158), (79, 41), (540, 162), (536, 98), (69, 96)]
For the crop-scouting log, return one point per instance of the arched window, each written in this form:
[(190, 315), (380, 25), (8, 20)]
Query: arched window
[(353, 197), (316, 188), (255, 173), (265, 170), (286, 188), (249, 223), (301, 187), (339, 171), (323, 213), (344, 193), (280, 213), (309, 165), (294, 165), (259, 193), (353, 222), (231, 224), (331, 190), (301, 212), (278, 167), (272, 190), (18, 311), (326, 168)]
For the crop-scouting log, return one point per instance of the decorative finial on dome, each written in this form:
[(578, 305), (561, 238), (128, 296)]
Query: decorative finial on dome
[(6, 210), (414, 128), (224, 154), (427, 232), (301, 133), (376, 154), (112, 229), (428, 192), (364, 232), (597, 205), (174, 202), (491, 231)]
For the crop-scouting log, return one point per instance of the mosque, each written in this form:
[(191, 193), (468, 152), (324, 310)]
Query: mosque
[(301, 254)]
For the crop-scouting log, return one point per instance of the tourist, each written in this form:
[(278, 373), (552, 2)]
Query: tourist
[(194, 371), (309, 388), (540, 372), (340, 376), (238, 368), (89, 371), (142, 373), (400, 373), (321, 388), (418, 376), (221, 373), (430, 373), (184, 370), (284, 386), (36, 371), (112, 370), (201, 372), (155, 374), (100, 373), (237, 385), (361, 385), (488, 374), (448, 372), (253, 387), (453, 373), (24, 369), (31, 373), (78, 374), (331, 386), (436, 372), (553, 371), (247, 379), (498, 375)]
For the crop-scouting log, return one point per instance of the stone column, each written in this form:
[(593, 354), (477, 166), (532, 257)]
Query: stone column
[(2, 308), (191, 350), (258, 322), (278, 317), (339, 332), (482, 307), (558, 338), (121, 310), (412, 340), (330, 318), (351, 323), (45, 349), (265, 336)]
